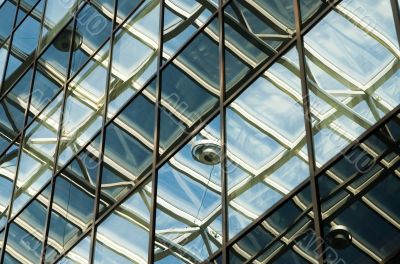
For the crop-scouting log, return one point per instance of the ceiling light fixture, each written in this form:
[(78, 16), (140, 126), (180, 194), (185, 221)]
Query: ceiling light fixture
[(62, 42), (339, 237), (207, 152)]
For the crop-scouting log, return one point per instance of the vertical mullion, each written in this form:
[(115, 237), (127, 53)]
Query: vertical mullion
[(58, 144), (103, 138), (224, 183), (154, 172), (309, 136), (396, 18), (9, 47), (22, 135)]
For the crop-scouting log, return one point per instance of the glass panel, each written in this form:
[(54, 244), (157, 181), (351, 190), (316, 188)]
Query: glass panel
[(287, 224), (359, 198), (373, 16), (5, 142), (181, 20), (123, 237), (37, 157), (134, 55), (353, 73), (84, 106), (266, 143), (1, 239), (309, 8), (190, 86), (14, 105), (3, 57), (26, 5), (44, 90), (51, 72), (57, 15), (256, 30), (24, 243), (125, 7), (128, 148), (8, 162), (93, 27), (79, 254), (281, 12), (188, 217), (25, 40), (7, 13), (73, 201)]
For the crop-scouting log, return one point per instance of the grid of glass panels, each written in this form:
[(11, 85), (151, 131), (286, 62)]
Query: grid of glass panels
[(107, 107)]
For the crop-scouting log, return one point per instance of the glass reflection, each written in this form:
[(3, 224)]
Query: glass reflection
[(125, 7), (25, 40), (188, 216), (3, 57), (84, 105), (190, 86), (14, 105), (37, 156), (352, 71), (93, 27), (181, 20), (128, 147), (266, 143), (24, 242), (57, 15), (8, 168), (256, 30), (8, 11), (73, 201), (79, 254), (134, 55), (358, 192), (129, 242)]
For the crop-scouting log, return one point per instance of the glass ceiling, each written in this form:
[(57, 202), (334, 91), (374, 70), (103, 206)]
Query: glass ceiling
[(104, 103)]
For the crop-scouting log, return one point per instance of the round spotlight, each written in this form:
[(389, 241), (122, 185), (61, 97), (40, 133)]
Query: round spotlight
[(62, 42), (339, 237), (207, 152)]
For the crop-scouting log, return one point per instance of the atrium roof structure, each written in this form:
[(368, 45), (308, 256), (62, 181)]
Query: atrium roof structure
[(200, 131)]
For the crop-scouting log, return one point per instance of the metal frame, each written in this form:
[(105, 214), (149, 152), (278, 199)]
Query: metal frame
[(157, 124), (222, 110), (309, 135), (103, 139), (224, 101)]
